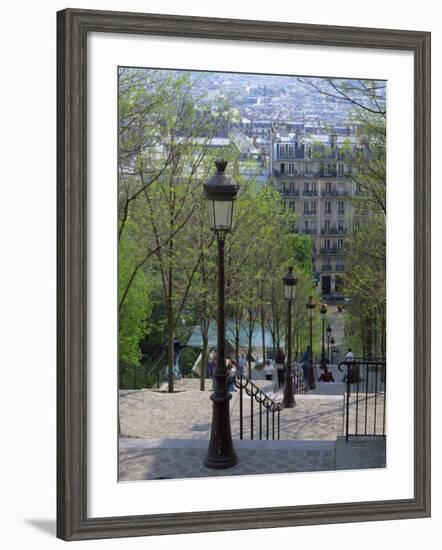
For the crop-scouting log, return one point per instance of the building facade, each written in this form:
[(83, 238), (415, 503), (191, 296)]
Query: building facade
[(313, 175)]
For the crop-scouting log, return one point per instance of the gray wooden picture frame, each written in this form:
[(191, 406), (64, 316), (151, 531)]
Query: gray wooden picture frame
[(73, 27)]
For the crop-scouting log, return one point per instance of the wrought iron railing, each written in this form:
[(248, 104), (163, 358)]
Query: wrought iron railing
[(135, 377), (300, 384), (266, 407), (365, 397), (155, 371)]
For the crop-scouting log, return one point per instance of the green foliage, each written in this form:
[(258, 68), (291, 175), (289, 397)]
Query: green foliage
[(300, 248), (134, 317)]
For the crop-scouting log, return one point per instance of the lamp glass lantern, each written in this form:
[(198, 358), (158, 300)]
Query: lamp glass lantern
[(290, 281), (311, 304), (220, 192), (323, 309)]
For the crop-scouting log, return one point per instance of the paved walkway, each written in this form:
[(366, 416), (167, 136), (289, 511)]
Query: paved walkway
[(172, 459), (143, 459), (186, 414), (166, 435)]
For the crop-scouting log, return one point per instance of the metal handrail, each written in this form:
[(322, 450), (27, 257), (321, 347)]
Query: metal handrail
[(377, 388), (155, 367), (264, 401)]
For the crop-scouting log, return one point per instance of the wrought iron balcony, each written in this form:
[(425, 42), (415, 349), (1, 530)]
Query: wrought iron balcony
[(309, 231), (331, 250), (326, 268), (334, 193), (333, 231), (340, 267), (309, 193), (288, 193), (310, 213)]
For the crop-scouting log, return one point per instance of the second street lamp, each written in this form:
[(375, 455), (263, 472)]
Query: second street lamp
[(311, 371), (220, 192), (289, 281), (323, 312), (328, 330)]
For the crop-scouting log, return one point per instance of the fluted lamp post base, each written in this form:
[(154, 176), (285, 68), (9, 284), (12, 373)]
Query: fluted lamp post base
[(221, 454)]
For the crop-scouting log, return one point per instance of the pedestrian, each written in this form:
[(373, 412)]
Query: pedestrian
[(231, 375), (177, 347), (351, 375), (305, 363), (326, 376), (211, 364), (280, 360), (268, 369), (242, 363)]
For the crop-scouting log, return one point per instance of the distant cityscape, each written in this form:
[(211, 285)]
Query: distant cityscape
[(295, 138), (291, 134)]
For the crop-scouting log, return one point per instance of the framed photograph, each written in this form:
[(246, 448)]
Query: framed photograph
[(243, 274)]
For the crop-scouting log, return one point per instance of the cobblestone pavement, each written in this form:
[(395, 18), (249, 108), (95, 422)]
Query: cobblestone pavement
[(186, 415), (152, 462), (172, 459), (166, 435)]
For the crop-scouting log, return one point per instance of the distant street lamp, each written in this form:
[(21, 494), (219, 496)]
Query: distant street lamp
[(328, 330), (311, 372), (323, 312), (220, 192), (289, 280)]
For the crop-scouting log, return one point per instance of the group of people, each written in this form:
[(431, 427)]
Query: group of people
[(234, 369)]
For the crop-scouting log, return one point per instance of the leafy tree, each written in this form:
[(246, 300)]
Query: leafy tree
[(134, 318)]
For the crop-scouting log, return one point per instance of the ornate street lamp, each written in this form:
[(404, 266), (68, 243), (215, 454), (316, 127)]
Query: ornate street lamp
[(220, 192), (323, 312), (328, 330), (311, 372), (289, 281)]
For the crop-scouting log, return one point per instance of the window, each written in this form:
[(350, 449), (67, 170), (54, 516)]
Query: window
[(341, 225), (327, 244), (340, 243), (291, 151), (308, 168), (313, 207), (327, 224), (282, 168), (291, 168), (341, 169), (328, 187), (328, 207), (292, 187), (283, 188), (292, 205), (309, 151), (305, 206), (340, 207)]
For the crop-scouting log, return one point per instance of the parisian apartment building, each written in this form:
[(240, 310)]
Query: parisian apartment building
[(313, 175)]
